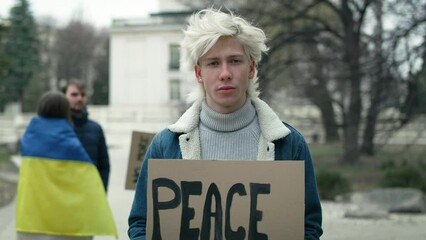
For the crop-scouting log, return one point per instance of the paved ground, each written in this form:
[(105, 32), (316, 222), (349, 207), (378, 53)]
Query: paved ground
[(396, 227), (336, 227)]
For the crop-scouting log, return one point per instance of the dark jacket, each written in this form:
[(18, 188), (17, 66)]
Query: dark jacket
[(92, 138), (181, 141)]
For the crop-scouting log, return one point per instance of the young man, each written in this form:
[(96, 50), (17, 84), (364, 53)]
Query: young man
[(226, 113), (88, 131)]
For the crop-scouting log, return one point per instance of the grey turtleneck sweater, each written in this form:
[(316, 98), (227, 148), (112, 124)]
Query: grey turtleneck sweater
[(232, 136)]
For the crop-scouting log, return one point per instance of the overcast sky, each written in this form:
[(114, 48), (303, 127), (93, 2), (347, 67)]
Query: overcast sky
[(98, 12)]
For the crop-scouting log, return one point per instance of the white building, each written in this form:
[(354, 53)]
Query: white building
[(144, 65)]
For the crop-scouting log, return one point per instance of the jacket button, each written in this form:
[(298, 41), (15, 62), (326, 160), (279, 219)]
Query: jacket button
[(187, 139), (267, 149)]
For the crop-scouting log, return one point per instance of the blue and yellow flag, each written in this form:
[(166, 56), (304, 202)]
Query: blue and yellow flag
[(60, 191)]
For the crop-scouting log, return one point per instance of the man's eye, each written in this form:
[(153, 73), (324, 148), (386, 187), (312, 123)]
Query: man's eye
[(234, 61), (212, 64)]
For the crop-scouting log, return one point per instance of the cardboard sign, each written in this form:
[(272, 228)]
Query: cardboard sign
[(203, 199), (138, 148)]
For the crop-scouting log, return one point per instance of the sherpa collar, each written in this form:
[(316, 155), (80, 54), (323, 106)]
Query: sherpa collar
[(270, 124)]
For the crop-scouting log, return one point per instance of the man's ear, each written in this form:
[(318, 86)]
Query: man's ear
[(197, 71), (252, 69)]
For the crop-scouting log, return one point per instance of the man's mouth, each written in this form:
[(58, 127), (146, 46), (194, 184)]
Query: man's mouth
[(226, 88)]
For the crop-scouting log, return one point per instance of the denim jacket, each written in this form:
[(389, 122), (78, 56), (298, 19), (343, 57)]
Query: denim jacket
[(278, 141)]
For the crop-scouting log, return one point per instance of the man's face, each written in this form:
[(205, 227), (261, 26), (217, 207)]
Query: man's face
[(76, 98), (225, 72)]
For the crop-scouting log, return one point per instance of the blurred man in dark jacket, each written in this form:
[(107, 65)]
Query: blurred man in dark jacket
[(88, 131)]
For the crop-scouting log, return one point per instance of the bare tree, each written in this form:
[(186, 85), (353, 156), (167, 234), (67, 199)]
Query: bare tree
[(343, 59), (404, 51), (47, 34), (75, 48), (101, 72), (408, 44), (322, 27)]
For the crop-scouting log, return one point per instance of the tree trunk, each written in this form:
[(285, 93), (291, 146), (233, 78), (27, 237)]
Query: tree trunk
[(352, 115), (351, 123), (367, 146), (320, 97), (329, 123), (324, 104), (377, 87)]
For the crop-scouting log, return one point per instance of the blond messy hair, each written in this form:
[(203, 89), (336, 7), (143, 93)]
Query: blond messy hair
[(204, 30)]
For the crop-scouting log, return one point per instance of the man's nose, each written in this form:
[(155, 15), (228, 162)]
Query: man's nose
[(225, 74)]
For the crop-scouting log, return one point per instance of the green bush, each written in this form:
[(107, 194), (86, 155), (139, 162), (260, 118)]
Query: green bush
[(331, 184), (404, 176)]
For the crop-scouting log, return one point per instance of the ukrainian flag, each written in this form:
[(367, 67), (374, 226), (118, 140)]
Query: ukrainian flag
[(60, 191)]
